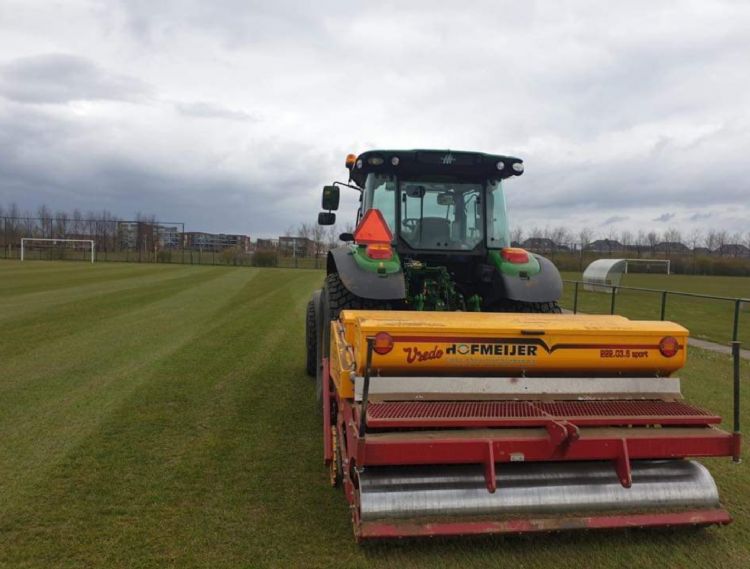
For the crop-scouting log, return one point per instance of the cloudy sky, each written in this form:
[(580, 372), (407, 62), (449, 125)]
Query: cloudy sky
[(230, 115)]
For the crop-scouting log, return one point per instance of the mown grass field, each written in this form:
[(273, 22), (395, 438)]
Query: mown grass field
[(706, 319), (160, 416)]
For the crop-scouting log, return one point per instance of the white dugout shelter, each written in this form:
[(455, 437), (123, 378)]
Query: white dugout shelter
[(601, 275)]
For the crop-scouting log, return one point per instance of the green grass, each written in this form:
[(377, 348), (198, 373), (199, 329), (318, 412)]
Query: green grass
[(160, 416), (706, 319)]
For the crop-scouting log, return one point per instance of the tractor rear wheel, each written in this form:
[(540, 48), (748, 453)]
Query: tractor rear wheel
[(335, 297), (528, 307), (311, 338)]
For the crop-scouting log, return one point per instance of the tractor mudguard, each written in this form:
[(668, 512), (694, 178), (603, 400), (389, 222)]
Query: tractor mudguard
[(363, 283), (545, 286)]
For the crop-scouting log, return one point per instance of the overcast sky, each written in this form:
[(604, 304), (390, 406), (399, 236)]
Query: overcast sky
[(230, 115)]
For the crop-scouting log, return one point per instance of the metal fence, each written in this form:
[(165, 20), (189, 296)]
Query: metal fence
[(664, 294)]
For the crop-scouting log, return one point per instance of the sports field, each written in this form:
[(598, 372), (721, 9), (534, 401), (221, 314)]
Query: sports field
[(160, 416), (706, 319)]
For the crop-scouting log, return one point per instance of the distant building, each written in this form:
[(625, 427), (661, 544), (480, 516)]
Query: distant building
[(540, 244), (168, 236), (733, 250), (297, 246), (131, 234), (127, 234), (604, 246), (701, 251), (262, 244), (202, 241)]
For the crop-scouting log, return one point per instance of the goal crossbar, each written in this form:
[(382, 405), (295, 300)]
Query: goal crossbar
[(24, 240)]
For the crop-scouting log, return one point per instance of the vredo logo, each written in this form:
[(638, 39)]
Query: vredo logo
[(416, 355), (491, 350), (449, 159)]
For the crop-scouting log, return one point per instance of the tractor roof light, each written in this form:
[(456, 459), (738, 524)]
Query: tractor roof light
[(373, 229), (395, 160), (375, 160), (669, 346), (350, 160), (515, 255), (518, 167), (383, 343), (500, 165)]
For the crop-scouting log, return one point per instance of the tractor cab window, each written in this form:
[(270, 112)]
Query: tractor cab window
[(441, 215), (380, 193), (497, 224)]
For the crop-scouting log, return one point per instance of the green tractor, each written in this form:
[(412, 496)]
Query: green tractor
[(432, 234)]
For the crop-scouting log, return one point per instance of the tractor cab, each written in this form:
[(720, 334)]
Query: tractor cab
[(432, 234), (435, 202)]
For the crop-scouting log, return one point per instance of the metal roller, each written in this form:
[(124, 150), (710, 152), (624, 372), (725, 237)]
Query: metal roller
[(532, 488)]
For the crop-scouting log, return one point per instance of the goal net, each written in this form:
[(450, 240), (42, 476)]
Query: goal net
[(52, 249), (648, 266)]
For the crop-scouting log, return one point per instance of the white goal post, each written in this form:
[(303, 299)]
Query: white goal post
[(665, 262), (24, 240)]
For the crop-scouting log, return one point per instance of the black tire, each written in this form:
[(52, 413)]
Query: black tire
[(334, 298), (528, 307), (311, 339)]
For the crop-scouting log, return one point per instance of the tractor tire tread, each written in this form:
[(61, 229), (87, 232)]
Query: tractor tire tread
[(310, 339)]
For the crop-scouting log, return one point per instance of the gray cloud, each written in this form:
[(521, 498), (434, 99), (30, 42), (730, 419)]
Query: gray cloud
[(664, 217), (203, 109), (615, 219), (62, 78), (230, 115), (700, 216)]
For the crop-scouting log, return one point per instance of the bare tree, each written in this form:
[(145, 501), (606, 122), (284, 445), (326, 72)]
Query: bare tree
[(626, 238), (560, 236), (317, 234), (61, 224), (672, 235), (721, 240), (536, 233), (332, 236), (516, 235), (694, 238), (653, 239), (585, 235), (641, 242), (45, 220)]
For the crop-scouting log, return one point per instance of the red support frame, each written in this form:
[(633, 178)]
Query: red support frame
[(383, 530), (684, 432)]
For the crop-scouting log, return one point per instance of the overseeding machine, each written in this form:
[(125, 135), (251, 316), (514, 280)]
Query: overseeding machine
[(458, 399)]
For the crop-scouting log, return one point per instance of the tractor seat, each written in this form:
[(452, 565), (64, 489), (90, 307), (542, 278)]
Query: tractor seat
[(434, 231)]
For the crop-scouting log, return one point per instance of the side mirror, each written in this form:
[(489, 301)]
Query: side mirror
[(326, 218), (330, 198), (346, 237)]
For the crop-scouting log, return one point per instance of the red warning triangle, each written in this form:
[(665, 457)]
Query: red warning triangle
[(372, 229)]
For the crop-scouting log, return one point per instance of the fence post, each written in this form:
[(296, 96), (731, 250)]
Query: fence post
[(737, 444), (575, 299), (736, 325), (612, 305), (663, 304)]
